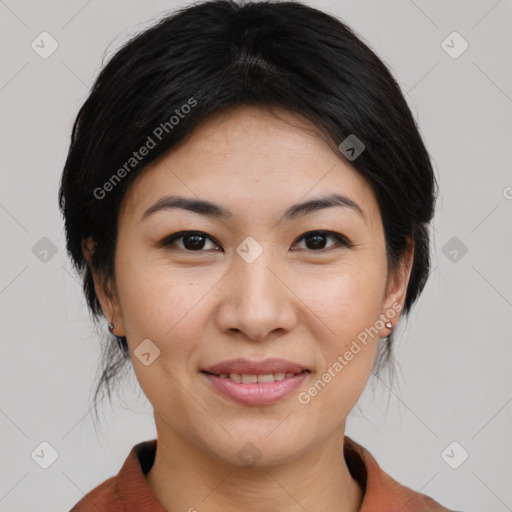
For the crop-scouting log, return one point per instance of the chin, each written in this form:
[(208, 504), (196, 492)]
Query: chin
[(265, 447)]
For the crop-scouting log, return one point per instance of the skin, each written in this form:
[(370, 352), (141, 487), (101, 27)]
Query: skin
[(306, 305)]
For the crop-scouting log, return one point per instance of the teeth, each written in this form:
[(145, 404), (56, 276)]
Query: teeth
[(251, 379), (266, 378)]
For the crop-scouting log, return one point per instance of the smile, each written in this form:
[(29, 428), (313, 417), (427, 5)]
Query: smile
[(252, 389)]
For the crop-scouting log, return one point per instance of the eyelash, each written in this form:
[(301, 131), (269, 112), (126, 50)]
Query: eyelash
[(169, 240)]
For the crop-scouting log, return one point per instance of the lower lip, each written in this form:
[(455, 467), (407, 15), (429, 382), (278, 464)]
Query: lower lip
[(256, 393)]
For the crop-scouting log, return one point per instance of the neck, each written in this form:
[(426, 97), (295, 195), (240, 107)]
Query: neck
[(183, 477)]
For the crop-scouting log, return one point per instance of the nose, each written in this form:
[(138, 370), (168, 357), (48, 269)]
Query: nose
[(257, 300)]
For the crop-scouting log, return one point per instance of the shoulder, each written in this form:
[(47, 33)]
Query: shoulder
[(128, 490), (381, 491), (102, 497)]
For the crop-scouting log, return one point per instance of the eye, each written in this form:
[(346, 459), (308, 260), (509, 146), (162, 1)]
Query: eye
[(318, 238), (195, 241)]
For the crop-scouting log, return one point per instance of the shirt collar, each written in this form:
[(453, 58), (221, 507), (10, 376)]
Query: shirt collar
[(378, 487)]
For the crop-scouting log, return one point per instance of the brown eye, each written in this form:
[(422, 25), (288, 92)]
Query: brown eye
[(197, 241), (315, 240), (192, 241)]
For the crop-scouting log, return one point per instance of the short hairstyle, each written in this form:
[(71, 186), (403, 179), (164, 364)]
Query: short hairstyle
[(220, 54)]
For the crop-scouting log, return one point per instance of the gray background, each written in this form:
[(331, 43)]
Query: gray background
[(454, 352)]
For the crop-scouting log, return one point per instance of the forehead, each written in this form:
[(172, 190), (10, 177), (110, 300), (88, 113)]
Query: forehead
[(251, 160)]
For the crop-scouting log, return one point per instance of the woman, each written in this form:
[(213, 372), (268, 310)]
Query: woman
[(248, 197)]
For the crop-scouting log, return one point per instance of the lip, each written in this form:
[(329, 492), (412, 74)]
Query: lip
[(257, 393), (271, 365)]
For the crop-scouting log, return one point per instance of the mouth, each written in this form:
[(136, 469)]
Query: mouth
[(255, 389), (252, 378)]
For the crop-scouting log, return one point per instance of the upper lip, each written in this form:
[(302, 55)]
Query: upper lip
[(245, 366)]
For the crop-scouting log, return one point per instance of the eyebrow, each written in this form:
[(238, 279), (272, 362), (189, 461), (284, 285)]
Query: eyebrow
[(209, 209)]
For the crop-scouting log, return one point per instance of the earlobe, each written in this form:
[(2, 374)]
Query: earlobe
[(88, 247), (106, 297), (397, 290)]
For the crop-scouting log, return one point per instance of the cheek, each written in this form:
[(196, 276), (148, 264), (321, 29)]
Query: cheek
[(356, 302), (347, 300), (167, 311), (348, 303), (160, 304), (348, 306)]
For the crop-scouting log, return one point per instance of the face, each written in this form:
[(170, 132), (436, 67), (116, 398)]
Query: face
[(255, 284)]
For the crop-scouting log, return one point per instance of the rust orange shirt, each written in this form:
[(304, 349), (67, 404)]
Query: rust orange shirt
[(129, 491)]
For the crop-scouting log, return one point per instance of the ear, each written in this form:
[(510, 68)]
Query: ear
[(105, 290), (396, 290)]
